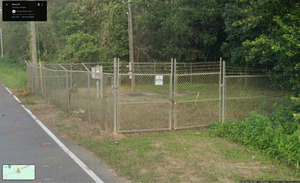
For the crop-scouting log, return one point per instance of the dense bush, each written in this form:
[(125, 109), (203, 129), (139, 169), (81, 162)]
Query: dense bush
[(277, 134)]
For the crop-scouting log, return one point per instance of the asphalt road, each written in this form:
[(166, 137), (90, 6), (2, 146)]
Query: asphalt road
[(23, 141)]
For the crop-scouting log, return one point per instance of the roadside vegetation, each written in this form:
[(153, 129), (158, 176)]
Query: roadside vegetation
[(13, 74), (277, 135), (271, 151), (259, 35), (180, 156)]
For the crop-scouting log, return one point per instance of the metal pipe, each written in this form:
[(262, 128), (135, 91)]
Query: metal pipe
[(115, 96), (171, 96), (223, 98), (89, 96), (45, 85), (146, 130), (220, 91), (67, 86), (175, 93), (118, 94), (101, 82)]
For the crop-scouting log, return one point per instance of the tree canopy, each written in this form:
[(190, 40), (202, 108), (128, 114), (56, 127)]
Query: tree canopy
[(262, 33)]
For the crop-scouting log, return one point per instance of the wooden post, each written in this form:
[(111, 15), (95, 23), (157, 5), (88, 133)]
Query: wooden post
[(33, 43), (34, 53), (1, 44), (131, 45)]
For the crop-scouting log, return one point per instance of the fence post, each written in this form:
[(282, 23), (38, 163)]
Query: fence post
[(89, 95), (45, 85), (118, 94), (71, 76), (220, 91), (223, 98), (171, 90), (89, 90), (41, 80), (191, 72), (174, 96), (101, 82), (67, 87), (115, 95)]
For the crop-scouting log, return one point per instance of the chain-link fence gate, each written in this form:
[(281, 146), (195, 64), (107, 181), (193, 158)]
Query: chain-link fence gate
[(146, 105), (196, 94), (164, 96)]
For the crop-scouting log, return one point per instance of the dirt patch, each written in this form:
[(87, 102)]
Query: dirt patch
[(23, 92), (61, 120)]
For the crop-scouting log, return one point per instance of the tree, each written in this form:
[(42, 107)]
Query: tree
[(266, 33)]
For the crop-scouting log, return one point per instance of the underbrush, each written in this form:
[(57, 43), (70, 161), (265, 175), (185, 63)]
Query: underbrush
[(276, 135), (13, 74)]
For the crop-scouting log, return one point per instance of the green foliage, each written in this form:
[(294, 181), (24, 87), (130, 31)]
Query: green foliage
[(15, 41), (277, 135), (262, 34), (283, 116), (296, 102), (265, 33), (92, 31), (188, 30), (12, 74)]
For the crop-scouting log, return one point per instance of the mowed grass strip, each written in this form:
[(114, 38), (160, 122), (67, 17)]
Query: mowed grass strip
[(178, 156), (181, 156)]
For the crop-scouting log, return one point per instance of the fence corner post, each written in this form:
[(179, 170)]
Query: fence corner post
[(115, 95), (174, 95), (223, 93), (171, 94)]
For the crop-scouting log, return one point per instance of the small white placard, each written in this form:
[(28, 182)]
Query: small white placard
[(159, 80), (96, 72)]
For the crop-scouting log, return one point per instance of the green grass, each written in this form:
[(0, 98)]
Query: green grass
[(63, 116), (156, 116), (13, 75), (183, 156), (276, 134)]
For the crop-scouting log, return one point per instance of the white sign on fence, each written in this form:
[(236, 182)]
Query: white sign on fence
[(159, 80), (96, 72)]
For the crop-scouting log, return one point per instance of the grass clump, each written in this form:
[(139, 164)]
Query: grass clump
[(277, 134), (13, 74)]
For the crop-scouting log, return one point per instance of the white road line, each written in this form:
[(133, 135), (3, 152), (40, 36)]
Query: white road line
[(73, 156)]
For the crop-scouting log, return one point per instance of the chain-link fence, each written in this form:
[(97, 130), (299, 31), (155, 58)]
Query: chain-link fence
[(145, 105), (247, 91), (153, 96), (73, 89), (196, 94)]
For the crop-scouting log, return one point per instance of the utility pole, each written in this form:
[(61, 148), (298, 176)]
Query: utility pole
[(34, 53), (33, 43), (131, 56), (1, 44)]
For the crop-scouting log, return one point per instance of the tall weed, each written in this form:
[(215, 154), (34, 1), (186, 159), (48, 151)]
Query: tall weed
[(277, 134)]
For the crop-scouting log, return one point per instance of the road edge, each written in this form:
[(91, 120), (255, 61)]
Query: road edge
[(59, 143)]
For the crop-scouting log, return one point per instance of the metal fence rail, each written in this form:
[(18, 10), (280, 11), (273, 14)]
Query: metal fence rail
[(165, 96)]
